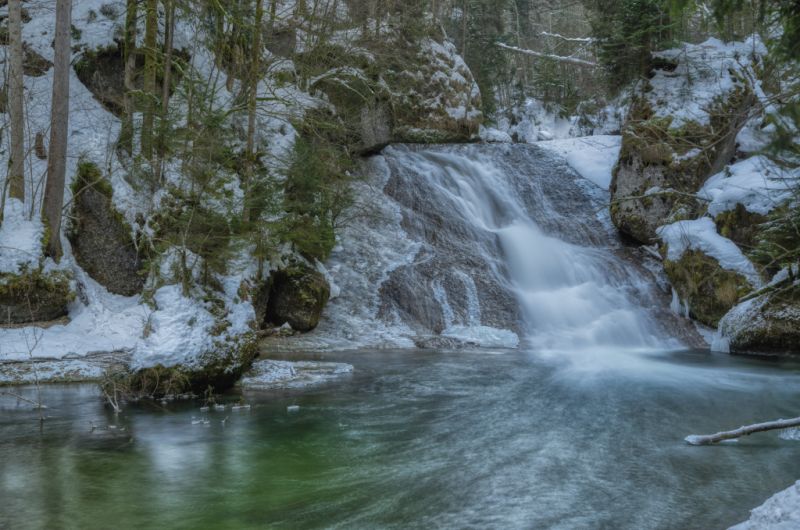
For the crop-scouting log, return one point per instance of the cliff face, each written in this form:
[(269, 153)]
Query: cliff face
[(158, 260), (691, 180)]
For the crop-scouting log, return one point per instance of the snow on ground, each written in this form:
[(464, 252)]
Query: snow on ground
[(704, 72), (779, 512), (110, 323), (701, 234), (20, 238), (592, 157), (756, 183), (269, 375), (176, 332)]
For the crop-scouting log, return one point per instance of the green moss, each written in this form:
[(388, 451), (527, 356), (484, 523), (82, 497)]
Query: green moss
[(36, 281), (709, 290), (88, 175)]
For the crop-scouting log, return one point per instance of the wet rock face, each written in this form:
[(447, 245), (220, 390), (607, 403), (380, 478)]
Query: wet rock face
[(297, 297), (376, 128), (101, 239), (33, 297)]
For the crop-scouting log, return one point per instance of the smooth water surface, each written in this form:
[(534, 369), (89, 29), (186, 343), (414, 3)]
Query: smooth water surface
[(418, 440)]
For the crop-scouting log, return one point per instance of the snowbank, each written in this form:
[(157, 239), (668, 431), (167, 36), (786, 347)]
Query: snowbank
[(756, 183), (704, 73), (592, 157), (701, 234), (20, 239), (779, 512)]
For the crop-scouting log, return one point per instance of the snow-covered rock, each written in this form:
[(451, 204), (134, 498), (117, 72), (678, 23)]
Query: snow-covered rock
[(779, 512), (757, 183), (270, 375), (669, 142)]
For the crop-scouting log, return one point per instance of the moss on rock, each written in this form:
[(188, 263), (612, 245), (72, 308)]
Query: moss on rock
[(766, 325), (297, 296), (34, 296), (218, 370), (710, 290), (101, 239), (660, 167)]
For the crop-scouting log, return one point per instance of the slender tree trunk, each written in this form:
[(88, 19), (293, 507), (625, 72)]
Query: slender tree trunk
[(150, 67), (166, 86), (464, 29), (255, 70), (126, 136), (16, 163), (59, 128)]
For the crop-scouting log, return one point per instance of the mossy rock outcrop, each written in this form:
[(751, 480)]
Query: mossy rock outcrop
[(660, 167), (396, 91), (740, 226), (34, 296), (101, 239), (216, 370), (766, 325), (709, 290), (297, 297)]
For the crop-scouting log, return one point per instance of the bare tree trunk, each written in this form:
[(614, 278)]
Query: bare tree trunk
[(59, 128), (16, 162), (150, 94), (255, 69), (166, 86), (464, 28), (126, 136), (710, 439)]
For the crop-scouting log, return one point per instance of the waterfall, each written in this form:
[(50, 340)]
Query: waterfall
[(491, 245)]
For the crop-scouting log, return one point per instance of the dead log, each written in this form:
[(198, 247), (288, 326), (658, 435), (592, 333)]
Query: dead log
[(746, 430)]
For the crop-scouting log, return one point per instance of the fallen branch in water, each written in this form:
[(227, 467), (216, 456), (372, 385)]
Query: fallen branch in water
[(36, 404), (709, 439)]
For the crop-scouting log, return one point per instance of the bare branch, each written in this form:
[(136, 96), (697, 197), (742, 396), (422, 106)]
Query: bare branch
[(709, 439), (559, 58)]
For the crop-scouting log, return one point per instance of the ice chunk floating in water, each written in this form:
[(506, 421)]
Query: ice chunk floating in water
[(487, 245)]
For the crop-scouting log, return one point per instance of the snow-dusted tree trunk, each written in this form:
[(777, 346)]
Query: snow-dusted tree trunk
[(150, 67), (255, 68), (59, 128), (166, 84), (126, 137), (16, 162)]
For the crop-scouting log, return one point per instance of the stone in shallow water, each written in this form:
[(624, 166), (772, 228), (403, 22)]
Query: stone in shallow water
[(269, 375)]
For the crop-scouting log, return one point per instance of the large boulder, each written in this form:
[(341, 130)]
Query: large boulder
[(680, 129), (102, 240), (297, 297), (766, 324), (34, 296), (421, 92)]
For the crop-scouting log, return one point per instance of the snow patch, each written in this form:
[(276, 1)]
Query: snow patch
[(756, 183), (20, 239), (779, 512), (704, 73), (701, 234), (592, 157)]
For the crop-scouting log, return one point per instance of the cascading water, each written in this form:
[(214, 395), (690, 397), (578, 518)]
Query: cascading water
[(487, 245)]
